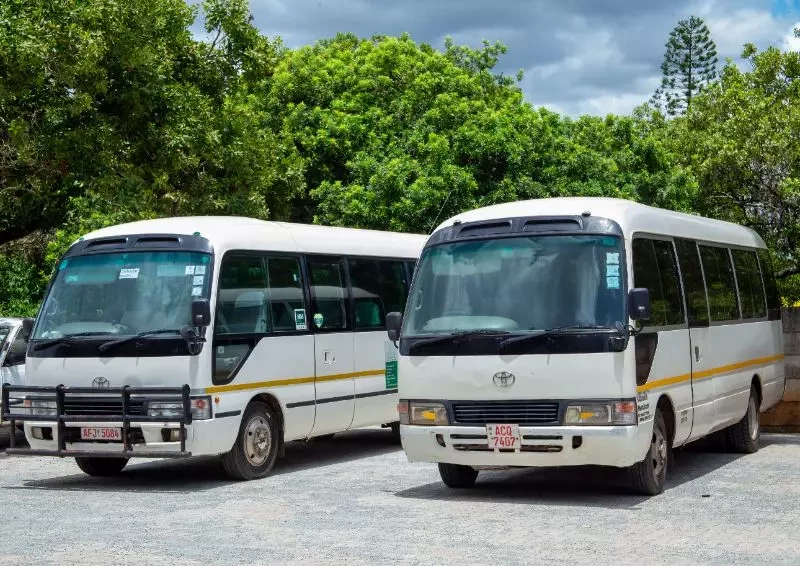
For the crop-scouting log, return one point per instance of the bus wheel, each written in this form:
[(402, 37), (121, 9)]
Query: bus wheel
[(744, 436), (649, 476), (256, 448), (5, 436), (101, 467), (457, 476), (395, 426)]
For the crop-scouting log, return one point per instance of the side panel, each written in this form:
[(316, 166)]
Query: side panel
[(375, 402), (703, 388)]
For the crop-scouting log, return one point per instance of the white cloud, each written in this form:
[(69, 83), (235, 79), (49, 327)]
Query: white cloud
[(790, 42)]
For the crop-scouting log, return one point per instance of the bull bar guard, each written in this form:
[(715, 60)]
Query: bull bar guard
[(10, 404)]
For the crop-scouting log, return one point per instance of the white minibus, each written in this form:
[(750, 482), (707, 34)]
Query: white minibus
[(13, 344), (211, 335), (572, 331)]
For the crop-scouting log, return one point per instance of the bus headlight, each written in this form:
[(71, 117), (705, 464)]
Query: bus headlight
[(432, 414), (200, 407), (594, 413), (41, 407)]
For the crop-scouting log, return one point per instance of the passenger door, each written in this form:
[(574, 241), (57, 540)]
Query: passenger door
[(699, 337), (333, 345), (378, 287)]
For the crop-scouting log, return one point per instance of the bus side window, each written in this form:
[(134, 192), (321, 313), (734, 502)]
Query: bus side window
[(379, 287), (720, 283), (654, 267), (770, 286), (286, 294), (751, 289), (329, 293), (693, 283)]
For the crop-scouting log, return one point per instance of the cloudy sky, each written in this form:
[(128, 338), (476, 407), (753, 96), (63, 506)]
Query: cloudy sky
[(579, 56)]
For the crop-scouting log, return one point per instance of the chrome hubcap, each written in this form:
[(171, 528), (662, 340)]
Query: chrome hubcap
[(257, 441), (752, 418), (658, 452)]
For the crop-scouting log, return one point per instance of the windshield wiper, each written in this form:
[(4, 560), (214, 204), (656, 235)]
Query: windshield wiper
[(549, 332), (459, 334), (66, 339), (105, 346)]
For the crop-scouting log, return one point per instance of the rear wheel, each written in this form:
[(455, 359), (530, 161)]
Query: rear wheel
[(5, 436), (256, 448), (744, 436), (101, 467), (457, 476), (648, 477), (395, 426)]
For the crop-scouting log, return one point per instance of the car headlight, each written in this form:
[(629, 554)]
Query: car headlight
[(41, 407), (432, 414), (607, 413), (200, 407)]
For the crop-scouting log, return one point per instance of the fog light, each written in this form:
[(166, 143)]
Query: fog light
[(171, 434)]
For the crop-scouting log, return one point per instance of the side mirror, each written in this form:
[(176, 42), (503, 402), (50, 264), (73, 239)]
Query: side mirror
[(27, 328), (201, 313), (639, 304), (394, 320)]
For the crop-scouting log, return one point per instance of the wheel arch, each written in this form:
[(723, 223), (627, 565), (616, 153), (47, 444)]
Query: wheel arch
[(756, 382), (272, 402), (670, 417)]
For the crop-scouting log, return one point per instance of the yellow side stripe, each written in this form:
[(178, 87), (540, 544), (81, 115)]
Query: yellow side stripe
[(291, 381), (708, 373)]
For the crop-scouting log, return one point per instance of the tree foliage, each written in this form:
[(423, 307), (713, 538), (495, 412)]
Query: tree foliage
[(690, 63)]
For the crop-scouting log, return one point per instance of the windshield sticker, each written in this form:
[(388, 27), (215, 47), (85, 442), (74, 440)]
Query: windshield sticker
[(300, 319), (189, 270), (131, 273), (612, 258), (612, 270), (196, 291), (169, 270), (71, 278), (198, 279), (318, 320), (612, 282), (199, 269)]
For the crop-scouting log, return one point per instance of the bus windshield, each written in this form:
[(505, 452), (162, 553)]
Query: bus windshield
[(518, 284), (123, 293)]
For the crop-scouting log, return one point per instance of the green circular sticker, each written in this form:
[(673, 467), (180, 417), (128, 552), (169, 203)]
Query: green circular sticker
[(318, 320)]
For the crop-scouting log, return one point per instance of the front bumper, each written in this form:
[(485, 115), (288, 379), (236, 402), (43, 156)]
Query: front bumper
[(59, 434), (618, 446)]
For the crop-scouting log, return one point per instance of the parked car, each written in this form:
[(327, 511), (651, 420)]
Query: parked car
[(13, 345)]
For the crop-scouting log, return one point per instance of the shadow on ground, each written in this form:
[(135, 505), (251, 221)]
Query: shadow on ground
[(205, 473)]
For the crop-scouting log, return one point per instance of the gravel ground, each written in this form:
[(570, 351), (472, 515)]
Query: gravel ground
[(355, 499)]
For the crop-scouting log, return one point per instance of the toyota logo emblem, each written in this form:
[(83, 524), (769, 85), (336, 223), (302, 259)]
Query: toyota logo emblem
[(100, 382), (504, 379)]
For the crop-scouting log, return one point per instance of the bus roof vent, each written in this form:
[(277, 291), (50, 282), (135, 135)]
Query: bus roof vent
[(552, 225), (157, 242), (106, 243), (485, 228)]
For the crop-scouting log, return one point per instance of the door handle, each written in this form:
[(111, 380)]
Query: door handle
[(327, 357), (696, 354)]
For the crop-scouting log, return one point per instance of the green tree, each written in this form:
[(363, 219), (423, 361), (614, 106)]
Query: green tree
[(741, 140), (690, 63)]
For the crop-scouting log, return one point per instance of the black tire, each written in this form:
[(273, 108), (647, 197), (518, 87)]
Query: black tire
[(5, 436), (256, 448), (395, 427), (101, 467), (744, 436), (649, 476), (457, 476)]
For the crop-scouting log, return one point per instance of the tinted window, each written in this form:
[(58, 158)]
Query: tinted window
[(329, 290), (751, 290), (242, 302), (654, 267), (770, 285), (379, 287), (286, 300), (719, 283), (693, 284)]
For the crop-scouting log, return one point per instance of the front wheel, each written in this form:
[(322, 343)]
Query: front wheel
[(101, 467), (648, 477), (457, 476), (744, 436), (256, 448)]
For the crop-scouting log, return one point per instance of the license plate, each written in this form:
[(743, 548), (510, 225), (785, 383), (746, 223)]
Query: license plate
[(503, 436), (100, 433)]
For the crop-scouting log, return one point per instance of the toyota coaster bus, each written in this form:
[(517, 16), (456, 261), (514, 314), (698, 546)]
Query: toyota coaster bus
[(575, 331), (199, 336)]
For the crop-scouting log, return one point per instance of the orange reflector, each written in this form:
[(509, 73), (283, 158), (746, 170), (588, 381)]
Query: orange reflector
[(625, 407)]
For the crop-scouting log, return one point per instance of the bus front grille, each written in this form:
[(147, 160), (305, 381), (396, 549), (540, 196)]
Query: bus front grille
[(94, 405), (525, 413)]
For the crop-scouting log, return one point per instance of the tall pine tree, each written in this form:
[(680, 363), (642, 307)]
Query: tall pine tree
[(690, 62)]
